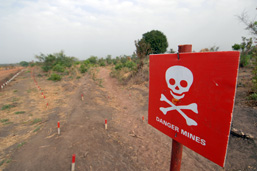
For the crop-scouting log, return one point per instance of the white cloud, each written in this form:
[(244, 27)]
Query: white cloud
[(101, 27)]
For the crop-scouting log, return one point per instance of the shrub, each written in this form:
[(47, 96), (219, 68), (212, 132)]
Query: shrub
[(92, 59), (77, 62), (131, 65), (58, 68), (118, 66), (109, 59), (101, 62), (24, 63), (55, 77), (244, 60), (82, 68)]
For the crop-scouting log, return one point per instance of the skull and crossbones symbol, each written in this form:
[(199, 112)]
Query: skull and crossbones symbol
[(179, 80)]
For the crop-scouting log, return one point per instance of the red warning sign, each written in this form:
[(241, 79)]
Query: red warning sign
[(191, 99)]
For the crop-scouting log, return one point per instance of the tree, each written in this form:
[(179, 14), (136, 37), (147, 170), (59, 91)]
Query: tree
[(142, 50), (157, 41), (236, 46), (250, 25), (24, 63)]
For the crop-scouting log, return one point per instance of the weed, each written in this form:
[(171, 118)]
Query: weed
[(30, 115), (39, 75), (15, 91), (1, 94), (4, 107), (15, 99), (2, 162), (21, 144), (55, 77), (28, 91), (253, 96), (78, 77), (38, 128), (7, 123), (8, 161), (4, 120), (36, 120), (28, 71), (19, 112)]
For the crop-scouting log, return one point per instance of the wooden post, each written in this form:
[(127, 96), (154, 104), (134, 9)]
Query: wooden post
[(177, 148)]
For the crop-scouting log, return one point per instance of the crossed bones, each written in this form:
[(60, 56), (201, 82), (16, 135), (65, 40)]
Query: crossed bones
[(192, 106)]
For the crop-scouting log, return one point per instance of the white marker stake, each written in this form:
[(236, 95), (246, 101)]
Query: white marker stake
[(73, 163), (105, 123), (59, 130)]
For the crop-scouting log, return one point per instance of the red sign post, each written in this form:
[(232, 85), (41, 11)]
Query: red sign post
[(191, 99)]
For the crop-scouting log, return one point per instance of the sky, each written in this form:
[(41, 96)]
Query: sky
[(82, 28)]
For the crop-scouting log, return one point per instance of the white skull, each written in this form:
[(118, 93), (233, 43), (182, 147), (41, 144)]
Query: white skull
[(179, 79)]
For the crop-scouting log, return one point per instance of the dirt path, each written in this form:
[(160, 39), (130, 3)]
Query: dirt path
[(128, 144)]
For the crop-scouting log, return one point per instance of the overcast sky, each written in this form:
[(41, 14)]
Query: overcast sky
[(100, 27)]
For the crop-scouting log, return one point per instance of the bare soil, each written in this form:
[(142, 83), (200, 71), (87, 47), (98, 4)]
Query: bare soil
[(29, 140)]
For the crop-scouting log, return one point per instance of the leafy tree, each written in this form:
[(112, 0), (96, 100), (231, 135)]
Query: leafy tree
[(24, 63), (236, 46), (92, 59), (157, 41), (142, 50)]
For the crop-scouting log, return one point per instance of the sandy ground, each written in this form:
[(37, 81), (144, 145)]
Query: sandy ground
[(29, 140)]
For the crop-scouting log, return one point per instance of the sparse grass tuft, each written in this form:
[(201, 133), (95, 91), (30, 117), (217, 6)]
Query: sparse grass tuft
[(15, 91), (253, 96), (15, 99), (7, 123), (2, 162), (8, 161), (4, 107), (4, 120), (36, 120), (19, 112), (21, 144), (38, 128)]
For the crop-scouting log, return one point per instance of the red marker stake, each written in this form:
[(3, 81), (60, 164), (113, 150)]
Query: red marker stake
[(47, 105), (59, 130), (73, 163), (42, 93), (105, 123), (82, 97), (143, 118), (44, 97)]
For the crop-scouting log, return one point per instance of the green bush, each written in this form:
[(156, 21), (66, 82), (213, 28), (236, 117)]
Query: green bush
[(92, 59), (24, 63), (83, 68), (58, 68), (46, 68), (77, 62), (101, 62), (118, 66), (130, 64), (55, 77), (244, 60), (109, 59)]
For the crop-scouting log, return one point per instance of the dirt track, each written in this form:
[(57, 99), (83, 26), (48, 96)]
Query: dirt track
[(128, 144)]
